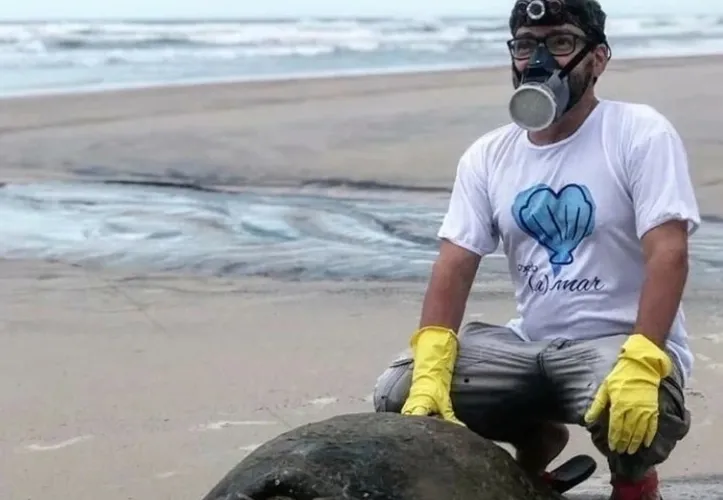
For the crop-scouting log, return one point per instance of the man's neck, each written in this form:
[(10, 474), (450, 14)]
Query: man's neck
[(567, 126)]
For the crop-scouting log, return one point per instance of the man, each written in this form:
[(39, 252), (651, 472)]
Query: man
[(594, 212)]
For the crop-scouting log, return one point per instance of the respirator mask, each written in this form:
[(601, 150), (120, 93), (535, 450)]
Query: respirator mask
[(544, 92)]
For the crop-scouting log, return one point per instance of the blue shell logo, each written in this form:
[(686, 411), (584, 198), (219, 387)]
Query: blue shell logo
[(558, 221)]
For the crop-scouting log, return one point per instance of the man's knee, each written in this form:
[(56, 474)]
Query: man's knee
[(392, 387), (673, 425), (492, 365)]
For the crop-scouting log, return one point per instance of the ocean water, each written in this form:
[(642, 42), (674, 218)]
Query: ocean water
[(42, 57), (310, 235)]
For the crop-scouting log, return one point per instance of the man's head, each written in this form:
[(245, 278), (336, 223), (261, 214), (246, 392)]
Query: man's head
[(563, 37)]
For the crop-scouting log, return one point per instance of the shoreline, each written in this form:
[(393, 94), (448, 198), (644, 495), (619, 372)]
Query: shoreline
[(297, 77)]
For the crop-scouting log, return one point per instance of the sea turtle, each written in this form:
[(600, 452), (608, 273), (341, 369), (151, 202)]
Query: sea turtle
[(379, 456)]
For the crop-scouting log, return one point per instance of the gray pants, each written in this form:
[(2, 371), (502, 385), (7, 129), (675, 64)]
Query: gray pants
[(503, 384)]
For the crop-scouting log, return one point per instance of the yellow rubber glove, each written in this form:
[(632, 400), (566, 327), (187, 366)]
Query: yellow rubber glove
[(435, 351), (631, 388)]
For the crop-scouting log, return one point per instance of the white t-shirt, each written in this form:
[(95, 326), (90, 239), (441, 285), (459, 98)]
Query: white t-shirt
[(570, 216)]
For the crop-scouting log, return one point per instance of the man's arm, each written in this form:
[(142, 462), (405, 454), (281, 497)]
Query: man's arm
[(467, 233), (666, 270), (449, 285), (666, 214)]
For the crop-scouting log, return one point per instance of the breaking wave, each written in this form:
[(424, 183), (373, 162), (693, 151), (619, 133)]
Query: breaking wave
[(43, 54), (310, 37)]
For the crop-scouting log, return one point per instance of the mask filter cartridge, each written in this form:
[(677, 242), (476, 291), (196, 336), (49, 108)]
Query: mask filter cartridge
[(535, 105)]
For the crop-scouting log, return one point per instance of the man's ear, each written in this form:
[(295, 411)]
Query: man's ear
[(600, 58)]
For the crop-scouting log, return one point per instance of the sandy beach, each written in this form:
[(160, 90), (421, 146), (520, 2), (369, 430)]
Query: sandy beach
[(127, 383)]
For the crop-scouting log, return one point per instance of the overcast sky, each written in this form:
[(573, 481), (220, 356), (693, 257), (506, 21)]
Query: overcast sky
[(44, 9)]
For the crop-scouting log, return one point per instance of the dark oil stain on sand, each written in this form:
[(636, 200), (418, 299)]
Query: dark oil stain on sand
[(326, 229)]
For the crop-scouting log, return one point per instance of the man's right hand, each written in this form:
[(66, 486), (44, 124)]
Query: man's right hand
[(435, 352)]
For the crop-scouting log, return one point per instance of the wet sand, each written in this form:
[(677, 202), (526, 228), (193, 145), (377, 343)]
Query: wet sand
[(400, 129), (126, 383)]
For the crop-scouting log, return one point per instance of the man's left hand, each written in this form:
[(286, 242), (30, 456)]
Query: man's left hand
[(631, 389)]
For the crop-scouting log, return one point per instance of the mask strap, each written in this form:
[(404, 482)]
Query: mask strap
[(516, 72), (576, 60)]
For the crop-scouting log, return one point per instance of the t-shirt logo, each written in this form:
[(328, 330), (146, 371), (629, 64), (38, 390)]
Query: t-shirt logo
[(557, 221)]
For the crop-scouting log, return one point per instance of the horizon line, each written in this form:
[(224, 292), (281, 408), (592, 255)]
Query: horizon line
[(285, 18)]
